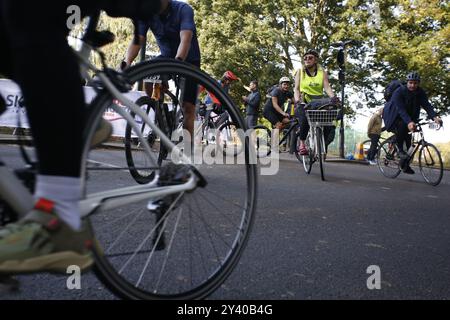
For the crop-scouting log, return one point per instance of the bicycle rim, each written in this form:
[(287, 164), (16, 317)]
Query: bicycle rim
[(430, 164), (388, 160), (189, 250)]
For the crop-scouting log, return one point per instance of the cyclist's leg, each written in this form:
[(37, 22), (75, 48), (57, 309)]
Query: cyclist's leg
[(5, 57), (304, 129), (373, 146), (273, 117), (402, 137), (189, 100), (401, 131), (252, 120), (47, 72)]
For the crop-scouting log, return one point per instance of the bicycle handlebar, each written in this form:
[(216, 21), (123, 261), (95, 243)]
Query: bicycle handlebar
[(419, 123)]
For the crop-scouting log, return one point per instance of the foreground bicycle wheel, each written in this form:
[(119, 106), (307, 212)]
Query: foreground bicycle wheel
[(388, 159), (430, 164), (182, 246)]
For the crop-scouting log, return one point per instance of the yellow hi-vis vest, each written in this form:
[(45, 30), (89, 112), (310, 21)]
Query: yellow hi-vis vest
[(311, 87)]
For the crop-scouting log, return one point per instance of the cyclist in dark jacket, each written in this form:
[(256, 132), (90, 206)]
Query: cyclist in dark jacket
[(402, 112)]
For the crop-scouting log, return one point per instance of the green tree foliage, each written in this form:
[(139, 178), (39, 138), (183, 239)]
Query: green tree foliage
[(262, 38), (415, 35)]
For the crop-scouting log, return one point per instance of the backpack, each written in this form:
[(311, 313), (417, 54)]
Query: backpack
[(269, 91), (390, 89)]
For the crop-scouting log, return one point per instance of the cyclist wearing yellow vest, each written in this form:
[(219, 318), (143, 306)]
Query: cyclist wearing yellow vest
[(310, 82)]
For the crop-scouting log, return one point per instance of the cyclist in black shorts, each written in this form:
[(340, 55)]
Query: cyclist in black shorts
[(52, 233), (273, 108)]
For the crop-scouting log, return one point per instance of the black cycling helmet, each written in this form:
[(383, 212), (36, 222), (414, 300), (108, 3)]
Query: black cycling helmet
[(311, 51), (413, 76)]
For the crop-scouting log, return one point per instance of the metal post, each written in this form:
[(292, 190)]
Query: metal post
[(341, 129)]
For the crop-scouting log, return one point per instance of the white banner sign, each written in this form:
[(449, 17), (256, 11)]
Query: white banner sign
[(15, 107)]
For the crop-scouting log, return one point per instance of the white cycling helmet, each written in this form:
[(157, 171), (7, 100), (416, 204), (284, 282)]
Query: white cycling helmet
[(284, 79)]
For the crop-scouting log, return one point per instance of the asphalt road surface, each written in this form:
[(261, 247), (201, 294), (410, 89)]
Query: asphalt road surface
[(316, 240)]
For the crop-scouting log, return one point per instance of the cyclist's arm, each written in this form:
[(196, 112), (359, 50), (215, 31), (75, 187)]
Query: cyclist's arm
[(297, 95), (185, 44), (276, 106), (326, 85), (187, 27), (425, 103), (133, 50)]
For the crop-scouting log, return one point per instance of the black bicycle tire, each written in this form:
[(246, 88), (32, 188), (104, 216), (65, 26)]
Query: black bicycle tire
[(307, 165), (226, 124), (269, 134), (137, 176), (109, 277), (441, 165), (319, 151), (379, 159)]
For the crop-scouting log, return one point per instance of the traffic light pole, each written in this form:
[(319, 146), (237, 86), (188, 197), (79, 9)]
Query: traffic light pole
[(341, 129), (341, 63)]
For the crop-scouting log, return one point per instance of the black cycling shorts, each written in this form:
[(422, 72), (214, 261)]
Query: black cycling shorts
[(191, 87), (272, 115)]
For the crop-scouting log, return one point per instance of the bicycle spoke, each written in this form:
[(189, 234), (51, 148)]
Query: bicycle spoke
[(216, 233), (151, 233)]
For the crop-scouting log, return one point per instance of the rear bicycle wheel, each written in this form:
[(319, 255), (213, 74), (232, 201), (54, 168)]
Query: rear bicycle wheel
[(388, 159), (430, 164), (137, 160), (182, 246), (319, 138)]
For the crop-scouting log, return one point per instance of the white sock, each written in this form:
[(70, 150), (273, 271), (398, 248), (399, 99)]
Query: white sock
[(65, 192)]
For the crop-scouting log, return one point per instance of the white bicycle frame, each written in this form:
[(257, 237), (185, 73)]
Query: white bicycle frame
[(21, 200)]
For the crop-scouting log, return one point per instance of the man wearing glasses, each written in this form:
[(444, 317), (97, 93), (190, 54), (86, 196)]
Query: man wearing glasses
[(310, 82)]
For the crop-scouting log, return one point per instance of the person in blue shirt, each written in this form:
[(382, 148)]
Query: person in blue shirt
[(176, 35), (402, 111)]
